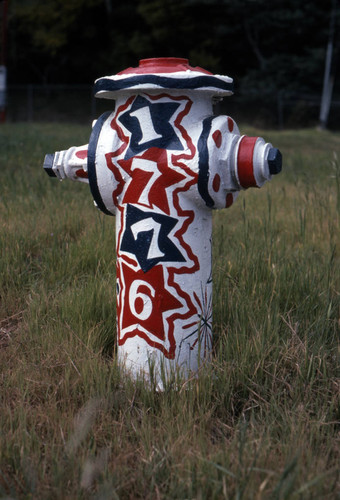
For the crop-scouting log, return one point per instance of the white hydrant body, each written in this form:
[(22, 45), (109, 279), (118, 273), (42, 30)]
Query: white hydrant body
[(160, 162)]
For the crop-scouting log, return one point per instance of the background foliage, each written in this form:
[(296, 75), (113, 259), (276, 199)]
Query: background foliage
[(277, 45)]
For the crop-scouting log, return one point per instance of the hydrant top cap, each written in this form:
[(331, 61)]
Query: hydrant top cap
[(164, 73), (163, 65)]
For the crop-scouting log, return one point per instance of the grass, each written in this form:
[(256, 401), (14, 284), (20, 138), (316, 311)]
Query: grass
[(261, 422)]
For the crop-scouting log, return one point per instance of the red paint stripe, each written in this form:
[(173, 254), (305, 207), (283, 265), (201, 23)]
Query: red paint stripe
[(229, 200), (81, 173), (217, 136), (245, 167), (230, 124), (82, 154), (216, 183)]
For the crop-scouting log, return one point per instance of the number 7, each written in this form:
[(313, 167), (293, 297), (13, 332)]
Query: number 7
[(149, 224)]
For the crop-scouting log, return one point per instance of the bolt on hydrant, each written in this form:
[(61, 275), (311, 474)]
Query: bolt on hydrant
[(160, 162)]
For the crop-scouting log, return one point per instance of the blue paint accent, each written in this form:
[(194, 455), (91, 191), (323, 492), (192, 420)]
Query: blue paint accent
[(203, 162), (160, 113), (141, 245), (91, 162), (196, 82)]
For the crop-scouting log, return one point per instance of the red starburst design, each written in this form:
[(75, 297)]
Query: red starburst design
[(144, 306), (164, 178)]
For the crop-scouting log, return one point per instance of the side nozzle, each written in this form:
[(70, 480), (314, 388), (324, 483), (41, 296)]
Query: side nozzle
[(48, 165), (274, 161)]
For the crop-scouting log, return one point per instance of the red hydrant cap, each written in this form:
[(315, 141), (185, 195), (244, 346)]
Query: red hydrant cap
[(162, 74), (163, 65)]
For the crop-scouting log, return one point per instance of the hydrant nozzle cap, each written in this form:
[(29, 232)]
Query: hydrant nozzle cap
[(274, 161), (163, 73), (48, 164)]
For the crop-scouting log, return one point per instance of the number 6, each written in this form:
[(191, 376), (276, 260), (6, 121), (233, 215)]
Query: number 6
[(145, 301)]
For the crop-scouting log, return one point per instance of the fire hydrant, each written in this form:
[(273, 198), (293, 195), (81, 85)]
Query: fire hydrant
[(160, 162)]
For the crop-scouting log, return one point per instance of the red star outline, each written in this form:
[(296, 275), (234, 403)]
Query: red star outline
[(157, 194), (157, 329)]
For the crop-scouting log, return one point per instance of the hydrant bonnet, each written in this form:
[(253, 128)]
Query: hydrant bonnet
[(167, 73)]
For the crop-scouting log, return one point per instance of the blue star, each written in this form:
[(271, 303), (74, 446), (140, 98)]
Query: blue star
[(149, 125), (147, 237)]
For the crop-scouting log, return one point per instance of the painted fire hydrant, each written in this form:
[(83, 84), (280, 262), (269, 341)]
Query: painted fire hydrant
[(160, 162)]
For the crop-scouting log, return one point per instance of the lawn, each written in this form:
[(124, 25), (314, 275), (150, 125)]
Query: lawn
[(261, 422)]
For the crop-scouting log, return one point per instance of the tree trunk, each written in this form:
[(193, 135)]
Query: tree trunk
[(328, 80)]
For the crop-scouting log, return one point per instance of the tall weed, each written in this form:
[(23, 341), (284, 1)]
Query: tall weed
[(261, 421)]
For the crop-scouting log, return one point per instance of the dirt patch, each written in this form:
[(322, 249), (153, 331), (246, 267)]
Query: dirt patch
[(7, 327), (5, 337)]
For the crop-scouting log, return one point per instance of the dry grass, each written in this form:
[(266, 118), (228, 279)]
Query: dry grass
[(262, 422)]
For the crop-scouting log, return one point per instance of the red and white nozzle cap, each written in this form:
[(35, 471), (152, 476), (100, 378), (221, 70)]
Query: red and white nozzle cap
[(256, 161)]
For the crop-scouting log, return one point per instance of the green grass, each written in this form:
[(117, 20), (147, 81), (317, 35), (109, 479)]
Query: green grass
[(261, 422)]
